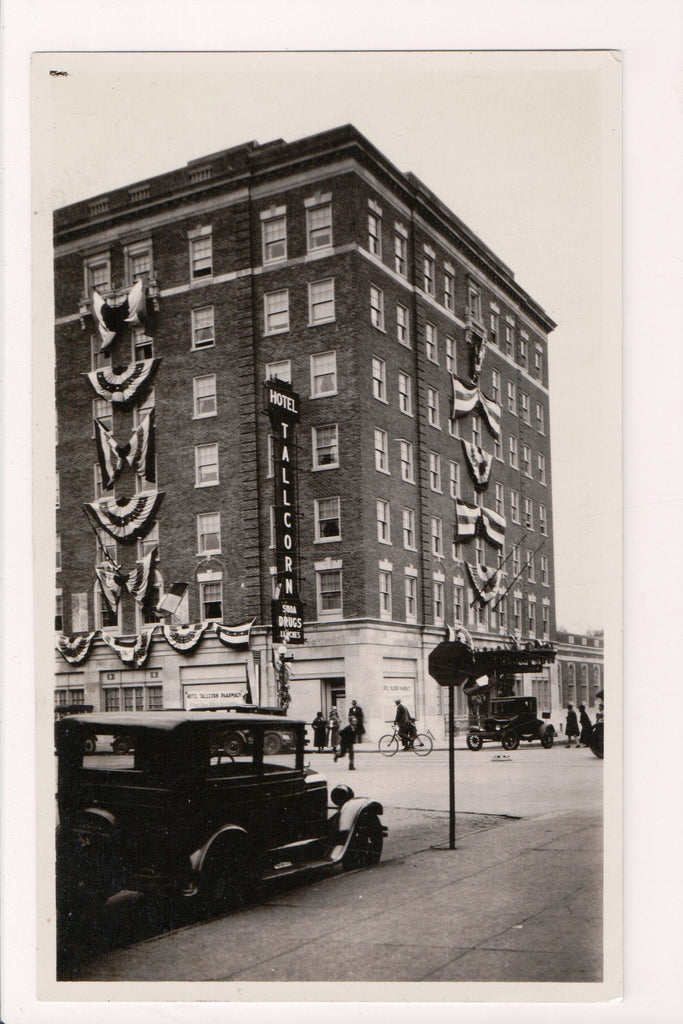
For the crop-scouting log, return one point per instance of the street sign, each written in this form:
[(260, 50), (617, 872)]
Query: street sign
[(451, 663)]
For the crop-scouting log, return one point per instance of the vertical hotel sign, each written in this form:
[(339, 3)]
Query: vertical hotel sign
[(282, 406)]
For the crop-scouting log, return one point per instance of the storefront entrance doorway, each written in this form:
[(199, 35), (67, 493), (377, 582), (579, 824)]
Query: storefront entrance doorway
[(334, 695)]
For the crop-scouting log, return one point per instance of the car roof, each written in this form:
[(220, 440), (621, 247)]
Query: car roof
[(169, 721)]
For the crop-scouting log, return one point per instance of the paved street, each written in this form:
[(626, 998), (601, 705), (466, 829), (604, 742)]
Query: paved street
[(515, 901)]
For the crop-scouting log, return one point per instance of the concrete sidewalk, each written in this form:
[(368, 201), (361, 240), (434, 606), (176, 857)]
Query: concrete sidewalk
[(520, 901)]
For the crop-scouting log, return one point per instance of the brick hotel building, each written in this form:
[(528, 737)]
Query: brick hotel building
[(422, 447)]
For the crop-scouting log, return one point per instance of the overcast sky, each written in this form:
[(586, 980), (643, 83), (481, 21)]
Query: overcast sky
[(523, 147)]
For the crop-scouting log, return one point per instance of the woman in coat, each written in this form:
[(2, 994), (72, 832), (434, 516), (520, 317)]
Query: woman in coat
[(571, 728), (586, 727), (333, 727), (319, 726)]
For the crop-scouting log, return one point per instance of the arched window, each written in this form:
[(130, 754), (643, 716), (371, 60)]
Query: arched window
[(146, 611), (595, 684), (584, 684), (570, 685), (104, 617)]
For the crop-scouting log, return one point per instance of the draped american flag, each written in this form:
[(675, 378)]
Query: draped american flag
[(466, 399), (184, 638), (467, 518), (132, 650), (234, 636), (487, 582), (478, 461), (114, 580), (124, 385), (75, 649), (138, 452), (112, 319), (126, 519)]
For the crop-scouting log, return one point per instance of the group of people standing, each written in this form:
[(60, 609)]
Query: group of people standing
[(580, 729), (329, 732)]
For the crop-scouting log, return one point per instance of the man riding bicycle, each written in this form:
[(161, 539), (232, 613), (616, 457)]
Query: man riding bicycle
[(406, 725)]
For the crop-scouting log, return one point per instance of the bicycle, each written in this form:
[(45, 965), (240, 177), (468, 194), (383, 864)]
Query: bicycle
[(422, 743)]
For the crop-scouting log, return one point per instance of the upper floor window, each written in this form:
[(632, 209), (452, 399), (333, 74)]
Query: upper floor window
[(379, 379), (327, 519), (528, 513), (512, 397), (476, 429), (407, 468), (325, 447), (448, 288), (102, 411), (211, 600), (495, 385), (500, 499), (514, 506), (402, 325), (201, 254), (274, 235), (401, 251), (509, 338), (437, 536), (138, 261), (526, 459), (538, 362), (540, 418), (513, 452), (431, 343), (541, 468), (524, 407), (454, 473), (375, 231), (433, 407), (405, 393), (438, 601), (428, 270), (209, 533), (435, 471), (383, 521), (329, 588), (544, 570), (377, 307), (276, 311), (323, 374), (98, 359), (411, 598), (381, 451), (493, 325), (321, 302), (385, 594), (319, 226), (202, 327), (409, 529), (542, 520), (97, 273), (523, 348), (142, 345), (474, 301), (204, 394), (281, 370), (206, 465), (58, 553), (451, 359)]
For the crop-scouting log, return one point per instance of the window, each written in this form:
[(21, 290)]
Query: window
[(208, 533), (276, 311), (321, 302), (201, 257), (516, 562), (517, 614), (323, 374), (448, 289), (493, 325), (474, 302), (102, 411), (542, 523), (458, 603), (146, 406), (438, 601), (407, 472), (319, 227), (206, 465), (501, 608), (524, 407), (375, 233), (58, 553), (97, 273), (451, 356), (544, 570), (512, 397), (211, 600), (133, 698), (513, 452), (545, 613), (383, 521), (202, 327), (514, 506), (476, 429), (98, 488), (498, 448), (540, 418), (112, 699), (523, 348), (409, 529), (381, 451), (327, 519), (59, 612), (377, 307), (97, 358), (148, 543), (526, 459), (532, 618), (147, 611), (379, 379), (411, 598), (530, 567), (282, 370), (433, 408), (384, 594), (329, 593), (431, 343), (274, 233), (538, 362), (500, 500), (509, 338), (541, 468), (105, 547), (454, 474), (428, 271), (479, 558), (405, 393), (142, 345), (325, 447), (138, 262), (528, 513), (204, 389), (437, 536), (456, 551), (401, 251), (402, 325)]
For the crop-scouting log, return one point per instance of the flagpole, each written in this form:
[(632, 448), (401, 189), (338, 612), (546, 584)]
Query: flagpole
[(512, 582), (500, 569), (101, 545)]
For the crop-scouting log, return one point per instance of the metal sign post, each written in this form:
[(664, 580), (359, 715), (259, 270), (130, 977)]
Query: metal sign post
[(445, 665), (451, 765)]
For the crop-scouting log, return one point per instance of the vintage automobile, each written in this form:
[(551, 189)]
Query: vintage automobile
[(509, 720), (180, 815)]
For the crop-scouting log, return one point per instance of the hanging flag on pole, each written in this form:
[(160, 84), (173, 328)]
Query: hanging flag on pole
[(171, 601)]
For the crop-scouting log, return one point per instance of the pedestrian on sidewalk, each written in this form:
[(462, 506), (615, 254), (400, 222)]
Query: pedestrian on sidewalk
[(346, 737), (356, 711), (319, 726), (333, 728), (571, 728), (586, 727)]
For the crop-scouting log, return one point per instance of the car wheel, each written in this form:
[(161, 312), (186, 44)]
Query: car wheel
[(365, 847), (271, 743), (474, 741), (233, 744), (510, 740), (90, 745), (223, 884), (547, 739), (121, 745), (598, 741)]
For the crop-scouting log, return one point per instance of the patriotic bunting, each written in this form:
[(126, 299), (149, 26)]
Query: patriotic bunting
[(112, 319), (478, 462), (124, 385), (113, 580), (109, 578), (184, 638), (467, 518), (131, 650), (75, 649), (486, 582), (138, 452), (172, 599), (234, 636), (126, 519), (466, 399)]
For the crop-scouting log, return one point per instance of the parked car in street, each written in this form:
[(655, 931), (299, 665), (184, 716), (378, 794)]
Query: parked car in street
[(509, 720), (181, 813)]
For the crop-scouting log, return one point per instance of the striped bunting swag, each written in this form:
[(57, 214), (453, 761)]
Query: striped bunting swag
[(486, 582), (494, 526), (466, 399), (75, 649), (109, 578), (184, 638), (112, 319), (132, 650), (138, 452), (125, 385), (234, 636), (126, 519), (479, 463), (113, 580), (467, 517)]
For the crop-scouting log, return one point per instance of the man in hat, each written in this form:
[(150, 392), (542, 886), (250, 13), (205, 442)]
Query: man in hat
[(406, 728)]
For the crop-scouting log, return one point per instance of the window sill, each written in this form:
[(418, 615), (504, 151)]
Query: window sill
[(209, 554), (204, 415), (198, 282), (198, 348), (321, 323), (327, 540), (212, 483), (321, 469), (272, 334), (385, 472), (326, 394)]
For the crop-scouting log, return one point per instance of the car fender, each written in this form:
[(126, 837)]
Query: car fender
[(84, 816), (344, 821), (546, 727), (199, 856)]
